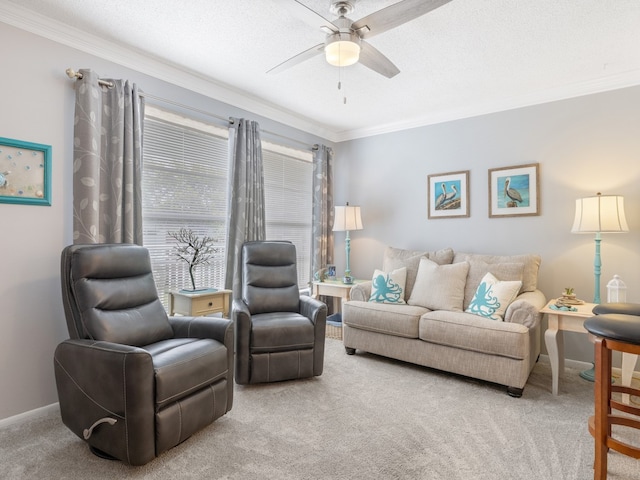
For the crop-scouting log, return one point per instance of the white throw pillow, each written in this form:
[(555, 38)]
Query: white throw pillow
[(493, 297), (439, 287), (388, 287)]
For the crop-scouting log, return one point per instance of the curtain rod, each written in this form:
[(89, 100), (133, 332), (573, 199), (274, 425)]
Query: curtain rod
[(71, 73)]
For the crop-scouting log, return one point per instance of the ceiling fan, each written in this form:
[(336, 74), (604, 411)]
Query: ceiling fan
[(345, 42)]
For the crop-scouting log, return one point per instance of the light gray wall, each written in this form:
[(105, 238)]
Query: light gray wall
[(36, 105), (583, 145)]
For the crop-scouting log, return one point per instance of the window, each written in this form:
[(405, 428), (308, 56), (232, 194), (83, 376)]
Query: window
[(288, 185), (185, 183)]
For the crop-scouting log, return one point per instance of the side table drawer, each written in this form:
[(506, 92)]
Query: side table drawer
[(206, 305)]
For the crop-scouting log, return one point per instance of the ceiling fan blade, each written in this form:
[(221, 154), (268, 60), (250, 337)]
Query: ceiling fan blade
[(372, 58), (394, 16), (299, 58), (307, 15)]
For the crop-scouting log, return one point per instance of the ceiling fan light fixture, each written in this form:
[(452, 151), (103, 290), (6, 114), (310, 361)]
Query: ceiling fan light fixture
[(342, 49)]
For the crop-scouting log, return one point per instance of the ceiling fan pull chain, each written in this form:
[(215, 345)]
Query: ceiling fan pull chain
[(344, 97)]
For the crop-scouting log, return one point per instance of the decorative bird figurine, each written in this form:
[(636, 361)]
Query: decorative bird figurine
[(512, 193)]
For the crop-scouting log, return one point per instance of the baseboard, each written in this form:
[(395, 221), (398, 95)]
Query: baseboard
[(30, 415), (579, 365)]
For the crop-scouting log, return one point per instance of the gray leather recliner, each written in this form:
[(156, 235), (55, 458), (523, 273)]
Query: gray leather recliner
[(279, 333), (131, 381)]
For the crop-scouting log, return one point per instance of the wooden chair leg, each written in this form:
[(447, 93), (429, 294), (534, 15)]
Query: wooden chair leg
[(602, 388)]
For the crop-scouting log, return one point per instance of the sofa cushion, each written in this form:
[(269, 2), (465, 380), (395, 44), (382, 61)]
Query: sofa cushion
[(397, 320), (439, 287), (493, 297), (471, 332), (397, 258), (388, 287), (478, 269), (531, 265)]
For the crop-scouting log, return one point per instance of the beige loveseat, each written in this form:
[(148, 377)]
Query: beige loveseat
[(434, 330)]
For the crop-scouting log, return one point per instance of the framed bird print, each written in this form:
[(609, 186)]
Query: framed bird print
[(448, 195), (514, 191)]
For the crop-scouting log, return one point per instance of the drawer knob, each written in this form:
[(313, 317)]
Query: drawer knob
[(211, 304)]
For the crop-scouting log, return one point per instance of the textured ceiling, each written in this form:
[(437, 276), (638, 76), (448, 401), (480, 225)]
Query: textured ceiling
[(465, 58)]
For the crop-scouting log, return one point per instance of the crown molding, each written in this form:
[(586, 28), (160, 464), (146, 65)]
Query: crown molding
[(590, 87), (58, 32)]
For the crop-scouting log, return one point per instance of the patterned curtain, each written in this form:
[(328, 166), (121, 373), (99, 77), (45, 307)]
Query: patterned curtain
[(107, 159), (246, 196), (322, 241)]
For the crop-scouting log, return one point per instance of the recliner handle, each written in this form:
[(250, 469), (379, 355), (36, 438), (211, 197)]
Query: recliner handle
[(86, 433)]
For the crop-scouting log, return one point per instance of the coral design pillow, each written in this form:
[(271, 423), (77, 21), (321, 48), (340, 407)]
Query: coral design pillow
[(388, 287), (493, 297)]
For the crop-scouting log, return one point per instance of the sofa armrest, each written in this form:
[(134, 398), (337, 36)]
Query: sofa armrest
[(525, 309), (361, 291)]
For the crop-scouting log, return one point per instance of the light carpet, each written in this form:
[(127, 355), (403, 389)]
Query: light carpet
[(366, 417)]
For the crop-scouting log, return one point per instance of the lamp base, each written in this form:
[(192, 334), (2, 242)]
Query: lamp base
[(589, 375)]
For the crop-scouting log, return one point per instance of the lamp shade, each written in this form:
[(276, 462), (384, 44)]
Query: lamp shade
[(600, 214), (347, 218)]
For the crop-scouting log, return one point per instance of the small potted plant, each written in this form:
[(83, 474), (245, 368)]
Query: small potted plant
[(193, 250), (568, 293)]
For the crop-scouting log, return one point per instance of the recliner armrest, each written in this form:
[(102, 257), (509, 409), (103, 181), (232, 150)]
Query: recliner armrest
[(99, 380), (312, 308), (220, 329), (242, 320)]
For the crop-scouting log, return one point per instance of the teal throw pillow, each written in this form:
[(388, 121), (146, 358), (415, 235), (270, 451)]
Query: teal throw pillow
[(388, 287), (492, 297)]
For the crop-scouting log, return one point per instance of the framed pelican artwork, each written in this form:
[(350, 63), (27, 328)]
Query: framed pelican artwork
[(448, 195), (514, 191)]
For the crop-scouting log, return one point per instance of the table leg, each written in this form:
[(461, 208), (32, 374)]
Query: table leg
[(628, 366), (171, 303), (554, 340)]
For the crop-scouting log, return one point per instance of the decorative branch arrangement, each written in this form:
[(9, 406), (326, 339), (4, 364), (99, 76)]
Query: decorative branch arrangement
[(193, 250)]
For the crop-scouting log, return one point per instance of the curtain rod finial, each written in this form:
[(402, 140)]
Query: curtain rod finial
[(71, 73)]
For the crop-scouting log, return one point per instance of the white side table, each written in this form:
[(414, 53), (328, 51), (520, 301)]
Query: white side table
[(199, 303), (334, 288), (561, 321)]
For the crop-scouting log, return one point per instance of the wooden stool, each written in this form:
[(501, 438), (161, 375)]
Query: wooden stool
[(613, 332)]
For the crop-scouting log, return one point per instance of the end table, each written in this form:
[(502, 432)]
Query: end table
[(198, 304)]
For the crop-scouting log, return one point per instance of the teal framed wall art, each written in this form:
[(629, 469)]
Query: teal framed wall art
[(448, 195), (25, 172), (514, 191)]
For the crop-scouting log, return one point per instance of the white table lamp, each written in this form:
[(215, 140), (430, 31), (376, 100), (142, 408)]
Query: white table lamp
[(347, 218), (599, 214)]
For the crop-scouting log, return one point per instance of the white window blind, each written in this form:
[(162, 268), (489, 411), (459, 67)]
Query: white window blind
[(288, 178), (184, 185)]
